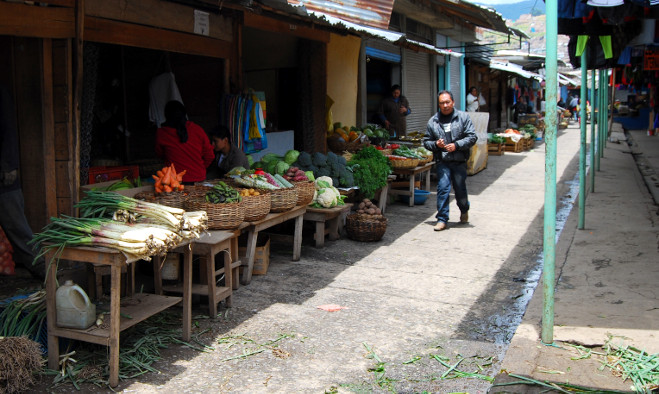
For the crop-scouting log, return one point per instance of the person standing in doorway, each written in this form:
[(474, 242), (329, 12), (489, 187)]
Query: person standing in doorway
[(450, 134), (393, 110), (472, 100)]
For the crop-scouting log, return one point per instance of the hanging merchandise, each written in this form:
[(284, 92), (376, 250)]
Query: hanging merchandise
[(162, 89), (244, 116)]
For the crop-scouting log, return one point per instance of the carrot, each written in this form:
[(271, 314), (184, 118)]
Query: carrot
[(160, 173), (179, 176), (167, 189), (173, 169), (175, 184), (180, 188), (167, 178), (158, 189)]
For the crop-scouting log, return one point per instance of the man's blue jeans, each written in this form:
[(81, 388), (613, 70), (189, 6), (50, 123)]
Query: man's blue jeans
[(455, 174)]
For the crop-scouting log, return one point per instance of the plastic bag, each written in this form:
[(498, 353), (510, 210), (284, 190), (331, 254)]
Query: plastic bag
[(481, 100)]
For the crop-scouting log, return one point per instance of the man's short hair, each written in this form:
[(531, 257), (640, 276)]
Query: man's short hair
[(446, 92)]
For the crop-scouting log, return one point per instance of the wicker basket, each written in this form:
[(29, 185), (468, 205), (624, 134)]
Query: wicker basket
[(425, 160), (173, 199), (220, 216), (282, 200), (365, 228), (305, 192), (257, 207), (406, 163)]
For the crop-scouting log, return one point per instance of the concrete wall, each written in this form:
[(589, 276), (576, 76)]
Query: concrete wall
[(343, 77)]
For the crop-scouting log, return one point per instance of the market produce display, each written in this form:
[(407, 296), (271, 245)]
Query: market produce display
[(137, 228), (371, 169), (326, 195), (222, 193), (122, 184), (367, 207), (168, 180), (329, 165)]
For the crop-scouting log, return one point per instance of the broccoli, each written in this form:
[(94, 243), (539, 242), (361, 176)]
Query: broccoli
[(332, 157), (342, 161), (335, 167), (335, 180), (347, 179), (319, 159), (322, 171), (304, 160)]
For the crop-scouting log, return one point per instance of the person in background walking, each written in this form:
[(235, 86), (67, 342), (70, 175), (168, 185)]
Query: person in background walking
[(574, 107), (184, 143), (472, 100), (12, 204), (393, 110), (450, 134)]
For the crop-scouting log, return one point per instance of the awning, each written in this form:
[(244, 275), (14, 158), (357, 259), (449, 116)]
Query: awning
[(394, 37), (515, 69), (563, 80)]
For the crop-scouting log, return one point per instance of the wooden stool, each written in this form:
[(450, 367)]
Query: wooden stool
[(329, 221), (95, 274), (208, 246)]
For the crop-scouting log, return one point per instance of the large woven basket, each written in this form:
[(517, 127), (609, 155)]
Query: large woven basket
[(406, 163), (257, 207), (305, 192), (220, 216), (282, 200), (365, 228), (173, 199)]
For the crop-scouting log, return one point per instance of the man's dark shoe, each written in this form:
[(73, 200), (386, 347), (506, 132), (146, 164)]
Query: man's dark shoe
[(464, 217)]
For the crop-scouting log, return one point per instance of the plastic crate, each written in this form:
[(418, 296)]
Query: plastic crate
[(104, 173)]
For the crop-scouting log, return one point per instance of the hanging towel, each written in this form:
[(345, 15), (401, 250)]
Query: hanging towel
[(162, 89)]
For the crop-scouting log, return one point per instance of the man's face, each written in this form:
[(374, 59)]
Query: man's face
[(219, 144), (396, 93), (445, 104)]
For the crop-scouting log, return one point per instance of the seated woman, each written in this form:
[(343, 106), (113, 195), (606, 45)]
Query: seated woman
[(227, 155)]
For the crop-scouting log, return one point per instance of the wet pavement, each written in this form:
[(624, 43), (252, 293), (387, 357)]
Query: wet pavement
[(416, 303)]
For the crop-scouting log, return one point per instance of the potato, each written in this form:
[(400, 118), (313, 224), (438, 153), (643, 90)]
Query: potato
[(361, 205), (360, 211), (370, 211), (378, 211)]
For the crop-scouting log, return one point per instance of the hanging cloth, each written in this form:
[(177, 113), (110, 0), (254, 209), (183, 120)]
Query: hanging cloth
[(162, 89)]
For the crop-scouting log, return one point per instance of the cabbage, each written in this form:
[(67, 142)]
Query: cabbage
[(310, 175), (291, 156), (281, 167)]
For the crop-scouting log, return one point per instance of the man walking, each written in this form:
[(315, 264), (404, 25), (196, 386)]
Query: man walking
[(450, 134)]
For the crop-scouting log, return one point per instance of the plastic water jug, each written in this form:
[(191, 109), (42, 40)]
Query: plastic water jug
[(74, 310)]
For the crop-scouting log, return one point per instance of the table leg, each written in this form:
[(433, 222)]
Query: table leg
[(157, 274), (228, 274), (235, 257), (297, 238), (411, 189), (427, 188), (115, 323), (187, 292), (320, 234), (382, 200), (210, 283), (51, 314), (249, 256), (333, 227)]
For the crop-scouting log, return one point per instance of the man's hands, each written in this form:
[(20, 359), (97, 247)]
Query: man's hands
[(9, 177), (448, 147), (402, 109)]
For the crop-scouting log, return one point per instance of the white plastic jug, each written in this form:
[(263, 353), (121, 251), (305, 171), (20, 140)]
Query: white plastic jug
[(74, 310)]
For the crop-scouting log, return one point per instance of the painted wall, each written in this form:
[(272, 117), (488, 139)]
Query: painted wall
[(343, 77)]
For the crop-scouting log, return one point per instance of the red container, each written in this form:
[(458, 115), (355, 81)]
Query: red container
[(104, 173)]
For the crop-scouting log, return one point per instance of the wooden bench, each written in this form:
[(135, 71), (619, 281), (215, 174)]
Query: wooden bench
[(329, 221)]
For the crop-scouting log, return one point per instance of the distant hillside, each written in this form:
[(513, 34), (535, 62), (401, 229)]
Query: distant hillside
[(515, 10)]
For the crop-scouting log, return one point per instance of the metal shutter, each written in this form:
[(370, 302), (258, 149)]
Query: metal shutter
[(455, 76), (418, 90)]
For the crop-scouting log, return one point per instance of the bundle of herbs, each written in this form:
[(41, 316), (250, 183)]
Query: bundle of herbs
[(370, 169)]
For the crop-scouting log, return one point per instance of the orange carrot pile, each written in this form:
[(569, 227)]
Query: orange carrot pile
[(168, 180)]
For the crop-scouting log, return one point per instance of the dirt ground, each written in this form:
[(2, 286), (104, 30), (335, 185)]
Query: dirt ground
[(420, 308)]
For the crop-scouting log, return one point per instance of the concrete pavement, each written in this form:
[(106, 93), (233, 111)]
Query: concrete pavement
[(607, 276)]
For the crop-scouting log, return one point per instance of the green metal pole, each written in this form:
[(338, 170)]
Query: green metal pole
[(605, 114), (592, 131), (602, 110), (598, 140), (551, 86), (583, 115)]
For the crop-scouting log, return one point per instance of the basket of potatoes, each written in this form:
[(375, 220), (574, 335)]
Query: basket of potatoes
[(367, 223)]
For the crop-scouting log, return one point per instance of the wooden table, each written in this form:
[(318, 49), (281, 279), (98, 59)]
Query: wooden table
[(273, 219), (208, 245), (139, 306), (412, 173), (328, 221)]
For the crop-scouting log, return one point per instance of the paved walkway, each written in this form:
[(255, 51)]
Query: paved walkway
[(607, 275)]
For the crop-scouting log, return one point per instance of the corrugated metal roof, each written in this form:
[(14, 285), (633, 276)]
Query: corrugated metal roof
[(515, 69), (374, 13), (387, 35)]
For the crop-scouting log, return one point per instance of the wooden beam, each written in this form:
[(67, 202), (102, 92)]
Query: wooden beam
[(48, 127), (32, 21), (159, 14), (119, 33), (270, 24), (76, 48)]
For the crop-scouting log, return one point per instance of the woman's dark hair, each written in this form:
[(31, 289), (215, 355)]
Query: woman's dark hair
[(220, 132), (395, 87), (472, 88), (176, 118)]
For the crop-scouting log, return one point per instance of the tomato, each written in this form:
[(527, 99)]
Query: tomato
[(395, 146)]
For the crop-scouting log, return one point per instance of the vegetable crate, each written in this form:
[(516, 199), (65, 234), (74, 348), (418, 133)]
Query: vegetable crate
[(515, 147), (495, 149), (261, 255), (529, 143), (104, 173)]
